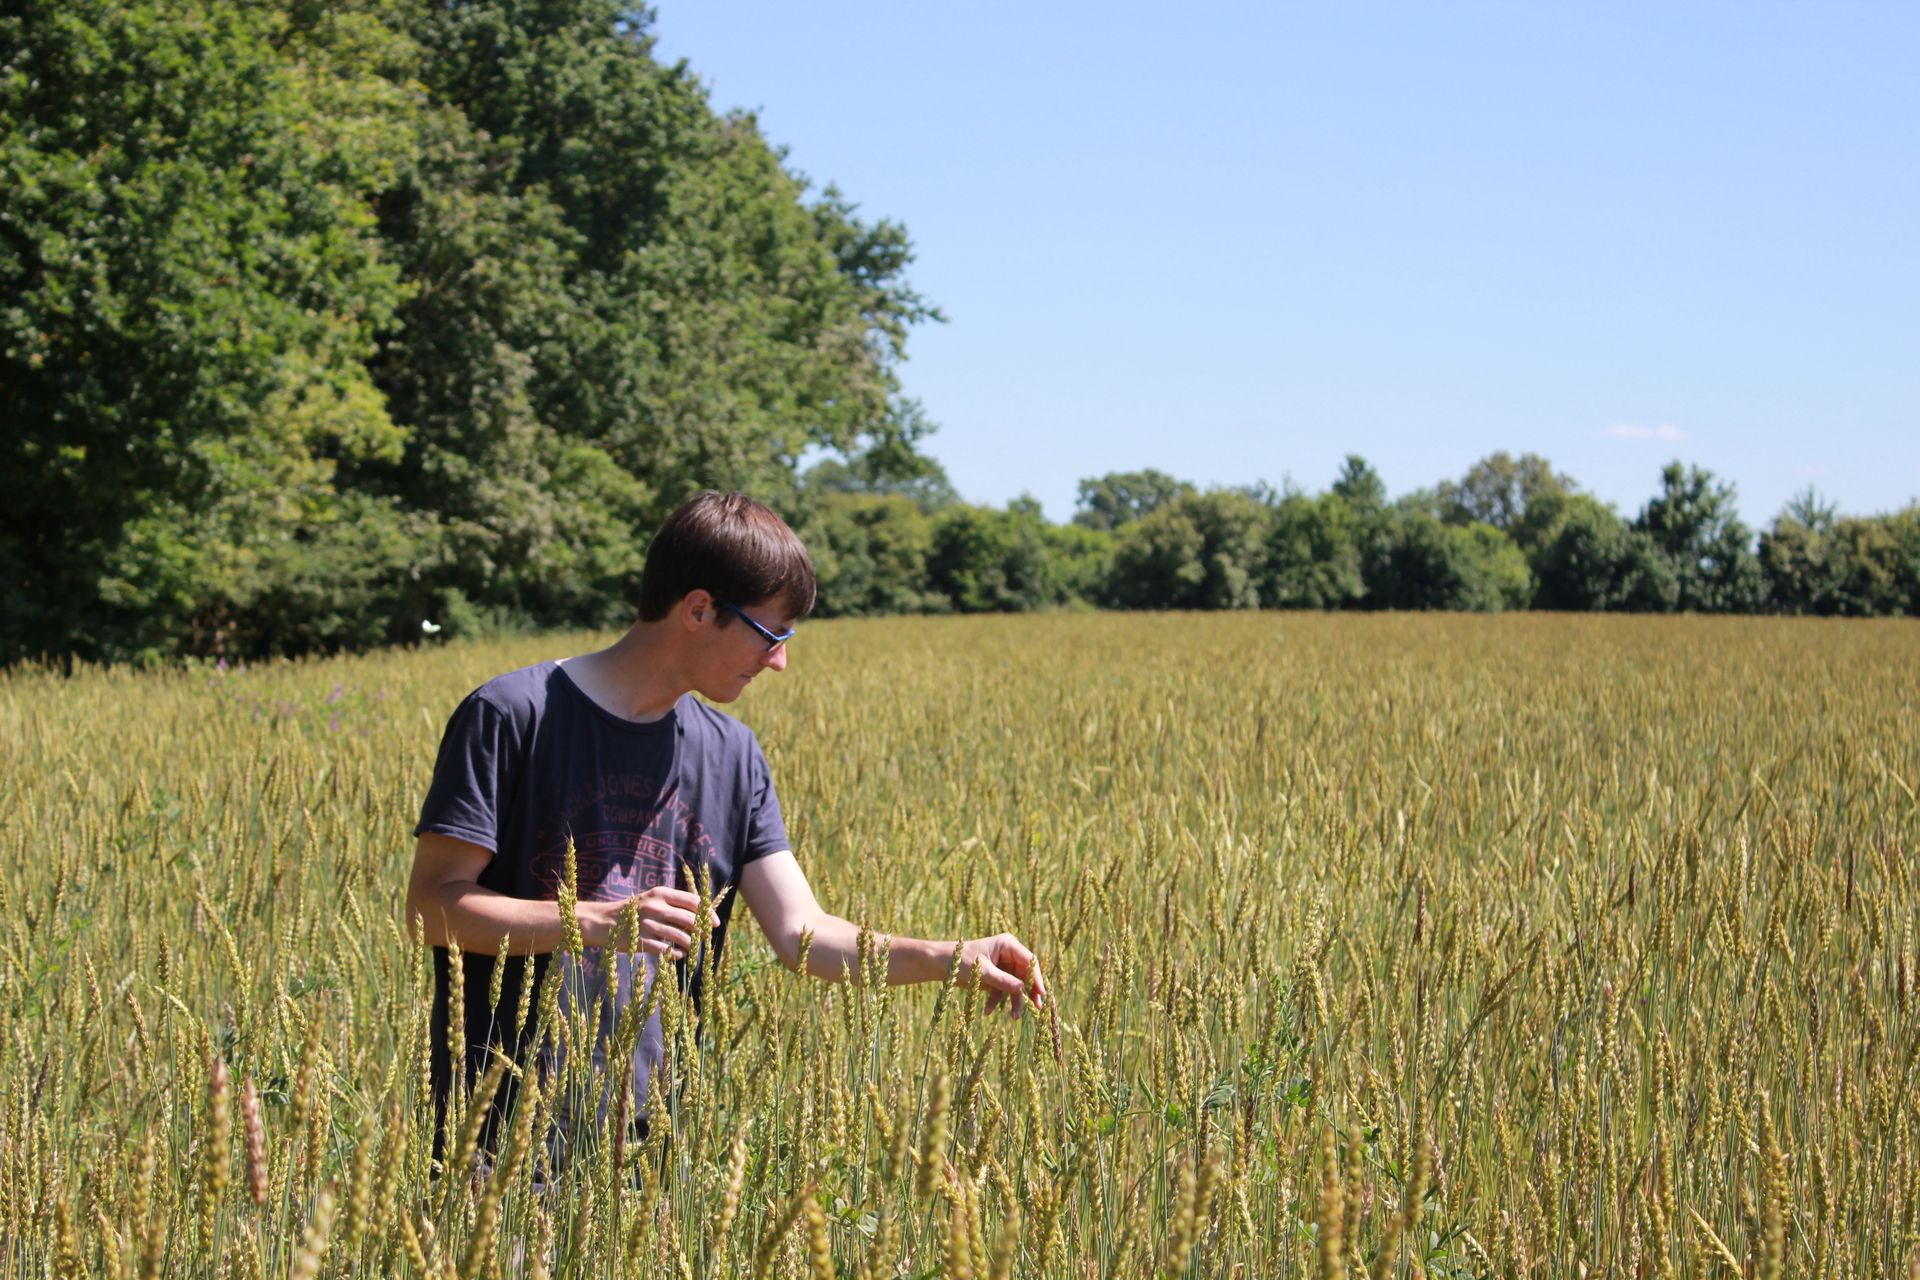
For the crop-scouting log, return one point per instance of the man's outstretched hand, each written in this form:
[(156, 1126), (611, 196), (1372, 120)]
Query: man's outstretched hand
[(1007, 969), (775, 889)]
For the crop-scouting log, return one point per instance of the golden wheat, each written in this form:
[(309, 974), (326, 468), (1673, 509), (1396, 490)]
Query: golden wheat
[(1384, 945)]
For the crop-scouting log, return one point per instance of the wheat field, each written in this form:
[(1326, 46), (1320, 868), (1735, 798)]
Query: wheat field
[(1382, 946)]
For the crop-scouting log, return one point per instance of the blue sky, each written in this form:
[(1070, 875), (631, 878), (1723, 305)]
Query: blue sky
[(1239, 241)]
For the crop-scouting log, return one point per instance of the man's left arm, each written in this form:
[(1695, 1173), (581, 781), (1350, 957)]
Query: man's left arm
[(782, 901)]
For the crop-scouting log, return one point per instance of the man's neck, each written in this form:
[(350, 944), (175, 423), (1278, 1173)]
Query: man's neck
[(639, 677)]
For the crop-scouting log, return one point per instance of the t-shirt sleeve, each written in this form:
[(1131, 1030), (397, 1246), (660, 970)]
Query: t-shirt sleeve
[(766, 829), (470, 775)]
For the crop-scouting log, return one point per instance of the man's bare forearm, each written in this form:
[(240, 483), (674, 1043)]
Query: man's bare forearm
[(477, 919), (776, 890), (835, 953)]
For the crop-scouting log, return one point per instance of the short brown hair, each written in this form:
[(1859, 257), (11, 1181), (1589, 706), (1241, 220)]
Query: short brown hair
[(731, 546)]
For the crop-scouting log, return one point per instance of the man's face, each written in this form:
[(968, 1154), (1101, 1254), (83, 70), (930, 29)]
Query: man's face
[(734, 653)]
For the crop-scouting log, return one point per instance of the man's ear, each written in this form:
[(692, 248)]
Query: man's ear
[(696, 609)]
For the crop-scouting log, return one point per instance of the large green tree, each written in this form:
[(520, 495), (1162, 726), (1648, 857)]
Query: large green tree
[(1313, 553), (1819, 561), (870, 556), (1414, 561), (190, 285), (319, 322), (1198, 551), (1586, 558), (1514, 495), (1121, 497), (1693, 522), (986, 561)]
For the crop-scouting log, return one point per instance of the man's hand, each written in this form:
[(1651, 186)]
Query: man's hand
[(445, 898), (666, 921), (1006, 970)]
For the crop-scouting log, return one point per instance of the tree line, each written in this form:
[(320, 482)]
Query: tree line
[(325, 326), (1510, 534)]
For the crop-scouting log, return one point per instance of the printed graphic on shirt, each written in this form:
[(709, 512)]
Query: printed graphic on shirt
[(628, 837)]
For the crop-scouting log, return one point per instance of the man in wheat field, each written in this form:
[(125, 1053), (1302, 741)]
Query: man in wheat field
[(611, 751)]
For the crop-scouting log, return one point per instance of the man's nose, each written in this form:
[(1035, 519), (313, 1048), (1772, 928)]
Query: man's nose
[(775, 659)]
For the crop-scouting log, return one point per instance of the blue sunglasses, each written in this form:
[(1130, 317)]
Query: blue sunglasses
[(771, 639)]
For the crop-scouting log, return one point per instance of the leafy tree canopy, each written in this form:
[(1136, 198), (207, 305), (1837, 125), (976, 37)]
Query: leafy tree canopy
[(1349, 547), (1198, 551), (890, 466), (1819, 562), (1360, 487), (319, 322), (1693, 521), (1587, 558), (1121, 497), (1513, 495)]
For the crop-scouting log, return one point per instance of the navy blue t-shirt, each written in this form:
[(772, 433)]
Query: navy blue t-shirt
[(529, 761)]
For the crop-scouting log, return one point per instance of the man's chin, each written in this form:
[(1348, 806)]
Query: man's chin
[(724, 693)]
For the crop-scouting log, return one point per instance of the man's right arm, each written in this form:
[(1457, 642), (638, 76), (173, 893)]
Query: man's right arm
[(445, 897)]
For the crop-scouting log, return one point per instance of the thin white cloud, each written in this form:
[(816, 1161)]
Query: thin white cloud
[(1630, 431)]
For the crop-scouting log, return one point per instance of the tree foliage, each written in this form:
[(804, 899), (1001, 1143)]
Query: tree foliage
[(1196, 551), (191, 284), (321, 325), (1820, 562), (1692, 520), (317, 323), (1351, 547), (1514, 495), (1313, 553), (1415, 561), (1119, 498), (991, 561), (1586, 558)]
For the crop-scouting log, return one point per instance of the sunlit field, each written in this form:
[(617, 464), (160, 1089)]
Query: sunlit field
[(1383, 945)]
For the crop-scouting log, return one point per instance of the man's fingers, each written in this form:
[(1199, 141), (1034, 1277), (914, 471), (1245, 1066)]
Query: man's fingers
[(1002, 982), (671, 936), (1011, 954), (1015, 956), (674, 897), (670, 916), (1002, 986)]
